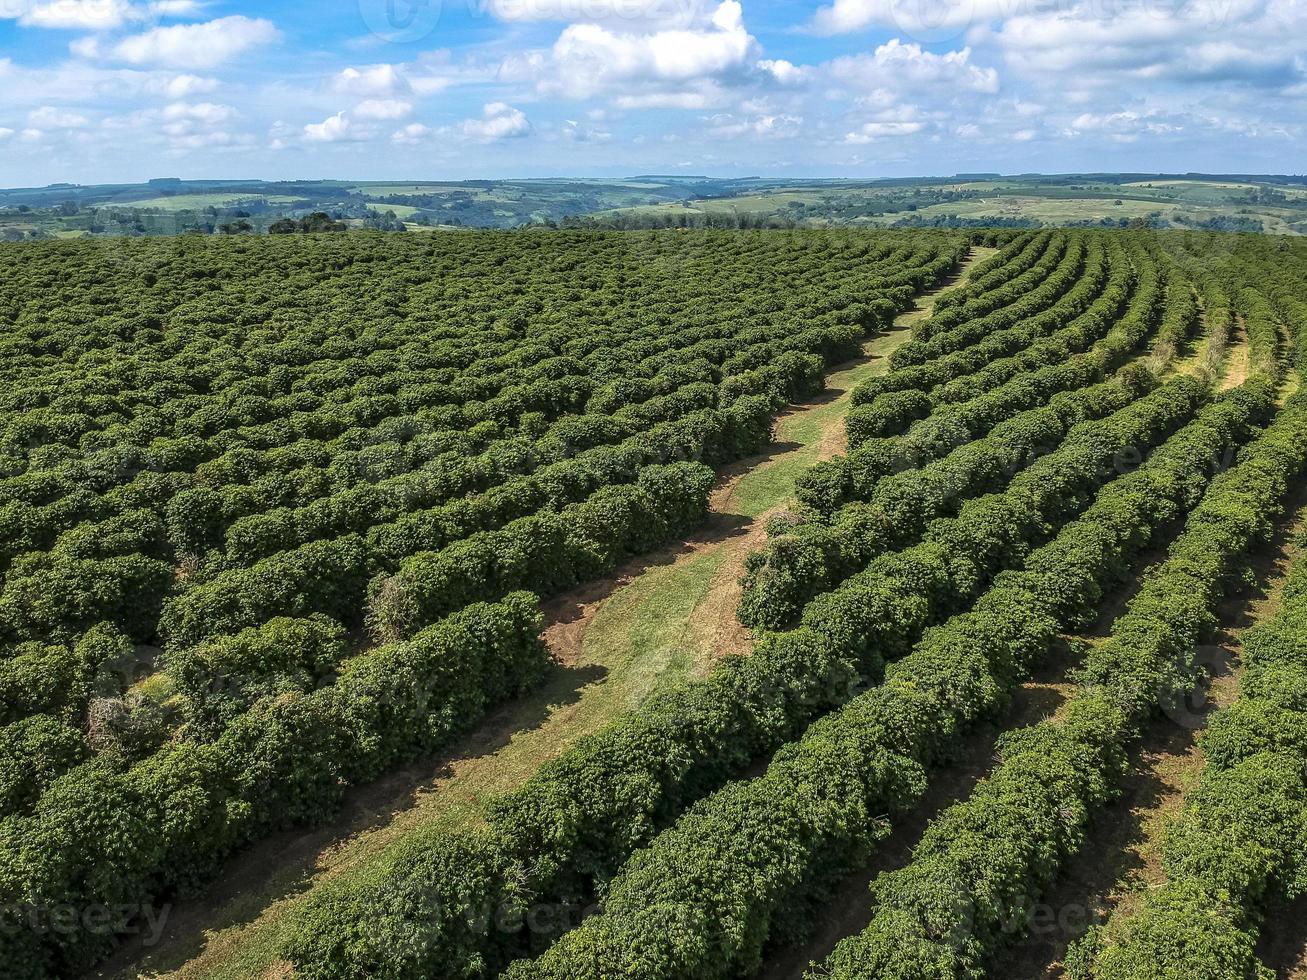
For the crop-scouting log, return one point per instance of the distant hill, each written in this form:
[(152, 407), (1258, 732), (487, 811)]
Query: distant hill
[(173, 205)]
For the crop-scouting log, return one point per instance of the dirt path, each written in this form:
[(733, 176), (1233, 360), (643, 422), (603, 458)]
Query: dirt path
[(926, 301), (1192, 356), (655, 623), (1237, 358), (1121, 857)]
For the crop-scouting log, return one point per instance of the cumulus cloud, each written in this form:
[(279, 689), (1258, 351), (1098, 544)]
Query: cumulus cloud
[(85, 15), (382, 109), (411, 134), (1256, 42), (784, 72), (664, 67), (207, 113), (869, 132), (205, 45), (96, 15), (655, 13), (917, 20), (176, 8), (499, 121), (582, 132), (179, 128), (908, 66), (378, 80), (763, 126), (50, 117), (333, 129), (1123, 127)]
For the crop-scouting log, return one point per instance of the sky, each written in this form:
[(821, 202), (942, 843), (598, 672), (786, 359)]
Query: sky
[(98, 91)]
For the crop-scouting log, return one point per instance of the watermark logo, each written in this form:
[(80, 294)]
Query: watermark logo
[(1190, 706), (400, 21), (930, 21)]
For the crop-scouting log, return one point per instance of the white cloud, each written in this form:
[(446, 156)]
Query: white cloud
[(5, 133), (588, 59), (703, 95), (872, 131), (85, 15), (176, 8), (333, 129), (377, 80), (194, 45), (1126, 126), (768, 126), (783, 71), (1253, 42), (180, 127), (579, 132), (211, 139), (499, 121), (382, 109), (895, 65), (649, 13), (50, 117), (84, 84), (89, 48), (180, 86), (917, 20), (411, 134), (208, 113)]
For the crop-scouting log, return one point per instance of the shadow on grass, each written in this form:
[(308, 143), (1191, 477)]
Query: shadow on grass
[(284, 864)]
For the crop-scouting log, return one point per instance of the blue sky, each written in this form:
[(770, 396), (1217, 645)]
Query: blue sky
[(123, 90)]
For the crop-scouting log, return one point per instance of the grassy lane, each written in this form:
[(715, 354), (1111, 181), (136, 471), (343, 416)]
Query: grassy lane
[(1237, 359), (847, 911), (660, 620)]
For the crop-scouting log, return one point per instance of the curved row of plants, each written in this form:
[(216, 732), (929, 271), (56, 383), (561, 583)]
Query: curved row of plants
[(981, 865), (1020, 275), (574, 823), (738, 870), (1029, 294), (1010, 260), (813, 557), (1240, 842), (114, 833), (997, 343), (808, 559), (1195, 253), (832, 482), (1236, 847), (893, 412)]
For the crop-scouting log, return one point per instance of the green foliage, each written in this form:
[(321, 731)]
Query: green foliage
[(1241, 840), (105, 834), (1080, 450), (246, 450), (1002, 847), (705, 897)]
